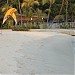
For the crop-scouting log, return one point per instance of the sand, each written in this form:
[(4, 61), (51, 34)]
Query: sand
[(36, 53)]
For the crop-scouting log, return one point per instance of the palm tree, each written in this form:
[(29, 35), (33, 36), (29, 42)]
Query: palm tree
[(28, 8), (64, 2), (61, 7), (19, 6), (51, 2), (73, 11)]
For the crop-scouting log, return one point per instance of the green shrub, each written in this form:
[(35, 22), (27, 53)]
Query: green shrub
[(65, 26), (19, 29), (5, 26), (35, 27)]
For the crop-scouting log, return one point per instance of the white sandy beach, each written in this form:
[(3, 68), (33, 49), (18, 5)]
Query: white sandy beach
[(35, 53)]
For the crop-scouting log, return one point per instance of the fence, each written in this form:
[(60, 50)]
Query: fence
[(72, 24), (46, 25)]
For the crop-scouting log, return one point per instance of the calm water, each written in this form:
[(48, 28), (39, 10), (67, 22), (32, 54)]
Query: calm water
[(74, 53)]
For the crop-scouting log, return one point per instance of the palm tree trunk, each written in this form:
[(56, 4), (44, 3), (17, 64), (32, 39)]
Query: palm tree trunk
[(51, 2), (61, 7), (19, 4), (66, 10), (48, 14), (7, 1)]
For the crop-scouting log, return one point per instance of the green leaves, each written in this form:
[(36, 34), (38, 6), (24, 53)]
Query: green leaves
[(46, 1), (52, 1), (5, 7), (29, 3), (59, 17)]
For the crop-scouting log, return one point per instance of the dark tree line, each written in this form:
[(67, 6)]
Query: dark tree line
[(55, 8)]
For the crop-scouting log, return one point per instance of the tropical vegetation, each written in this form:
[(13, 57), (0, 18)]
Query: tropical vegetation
[(45, 9)]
